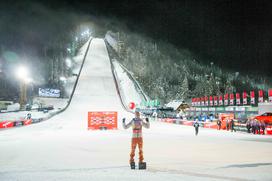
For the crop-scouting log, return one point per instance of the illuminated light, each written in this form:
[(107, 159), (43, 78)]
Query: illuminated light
[(28, 80), (22, 73), (62, 79), (68, 62)]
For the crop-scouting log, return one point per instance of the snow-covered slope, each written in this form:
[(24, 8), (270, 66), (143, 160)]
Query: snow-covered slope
[(63, 149)]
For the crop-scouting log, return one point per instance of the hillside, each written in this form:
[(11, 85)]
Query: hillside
[(167, 73)]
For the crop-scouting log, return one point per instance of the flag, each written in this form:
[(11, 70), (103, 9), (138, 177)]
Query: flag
[(252, 97), (270, 95), (231, 99), (244, 98), (215, 99), (261, 99), (226, 99), (220, 100), (211, 100)]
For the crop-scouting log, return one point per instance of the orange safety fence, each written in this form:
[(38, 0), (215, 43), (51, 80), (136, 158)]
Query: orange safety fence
[(102, 120)]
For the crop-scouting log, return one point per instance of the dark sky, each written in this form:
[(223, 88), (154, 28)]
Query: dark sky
[(236, 34)]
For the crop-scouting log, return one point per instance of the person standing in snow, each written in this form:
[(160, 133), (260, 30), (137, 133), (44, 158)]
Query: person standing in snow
[(137, 139), (263, 127), (227, 124), (196, 125), (232, 125), (219, 123)]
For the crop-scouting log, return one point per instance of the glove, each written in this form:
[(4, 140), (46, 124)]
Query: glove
[(124, 119), (146, 119)]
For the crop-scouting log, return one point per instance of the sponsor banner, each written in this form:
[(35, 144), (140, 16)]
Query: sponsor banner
[(27, 122), (226, 99), (261, 95), (252, 97), (238, 99), (6, 124), (47, 92), (102, 120), (244, 98)]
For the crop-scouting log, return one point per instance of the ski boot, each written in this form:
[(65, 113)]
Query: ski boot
[(142, 165), (132, 165)]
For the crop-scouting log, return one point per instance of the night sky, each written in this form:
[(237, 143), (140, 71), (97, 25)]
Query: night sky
[(234, 34)]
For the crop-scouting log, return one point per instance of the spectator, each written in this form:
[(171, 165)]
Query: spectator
[(227, 124), (248, 125), (219, 123), (258, 127), (28, 116), (263, 127), (253, 126), (196, 125), (232, 125)]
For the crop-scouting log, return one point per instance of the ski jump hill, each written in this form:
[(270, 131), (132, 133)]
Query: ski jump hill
[(62, 148)]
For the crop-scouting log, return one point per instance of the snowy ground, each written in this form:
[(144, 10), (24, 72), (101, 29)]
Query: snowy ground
[(63, 149), (39, 152)]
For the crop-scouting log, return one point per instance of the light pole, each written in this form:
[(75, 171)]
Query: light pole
[(22, 74)]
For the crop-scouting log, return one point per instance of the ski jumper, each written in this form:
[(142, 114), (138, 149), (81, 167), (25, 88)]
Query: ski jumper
[(137, 137)]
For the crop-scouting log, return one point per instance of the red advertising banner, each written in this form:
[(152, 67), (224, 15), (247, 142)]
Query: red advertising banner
[(211, 100), (270, 95), (102, 120), (261, 95), (215, 99), (244, 98), (206, 101), (226, 99), (231, 99), (220, 100), (27, 121), (252, 97), (238, 99), (6, 124)]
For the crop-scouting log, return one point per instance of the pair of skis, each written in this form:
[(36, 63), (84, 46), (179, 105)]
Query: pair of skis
[(141, 166)]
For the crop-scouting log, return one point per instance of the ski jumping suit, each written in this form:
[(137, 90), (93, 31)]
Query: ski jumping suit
[(137, 139)]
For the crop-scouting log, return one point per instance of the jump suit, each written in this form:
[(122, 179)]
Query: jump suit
[(137, 138)]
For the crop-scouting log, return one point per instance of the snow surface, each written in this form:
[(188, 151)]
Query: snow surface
[(127, 87), (63, 149)]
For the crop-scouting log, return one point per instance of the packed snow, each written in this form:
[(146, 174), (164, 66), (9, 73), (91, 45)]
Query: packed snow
[(128, 90), (63, 149)]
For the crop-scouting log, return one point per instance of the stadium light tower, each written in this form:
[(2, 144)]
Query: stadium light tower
[(22, 75)]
